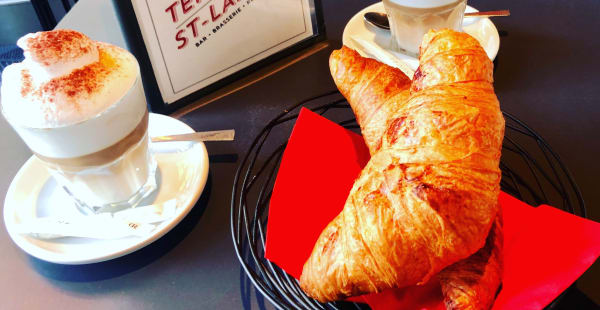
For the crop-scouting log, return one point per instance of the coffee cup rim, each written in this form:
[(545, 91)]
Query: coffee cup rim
[(424, 4)]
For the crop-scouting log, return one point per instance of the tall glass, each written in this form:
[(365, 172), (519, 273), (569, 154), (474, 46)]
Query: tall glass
[(104, 162)]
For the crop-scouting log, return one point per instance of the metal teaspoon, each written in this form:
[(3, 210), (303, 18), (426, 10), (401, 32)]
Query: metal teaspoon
[(218, 135)]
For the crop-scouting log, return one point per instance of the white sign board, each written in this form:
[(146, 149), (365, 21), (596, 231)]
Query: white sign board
[(194, 43)]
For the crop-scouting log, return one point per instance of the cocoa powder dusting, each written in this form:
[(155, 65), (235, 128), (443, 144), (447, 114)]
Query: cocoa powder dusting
[(26, 87), (81, 82), (52, 46)]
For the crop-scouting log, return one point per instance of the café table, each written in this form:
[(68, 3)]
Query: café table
[(546, 75)]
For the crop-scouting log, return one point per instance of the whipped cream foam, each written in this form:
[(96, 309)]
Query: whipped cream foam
[(72, 96), (65, 78)]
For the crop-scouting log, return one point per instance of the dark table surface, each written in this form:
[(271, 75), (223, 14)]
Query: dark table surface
[(547, 75)]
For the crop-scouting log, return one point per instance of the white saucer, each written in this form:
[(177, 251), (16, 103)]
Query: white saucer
[(373, 42), (181, 175)]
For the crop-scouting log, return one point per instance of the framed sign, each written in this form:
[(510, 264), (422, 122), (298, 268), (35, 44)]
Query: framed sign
[(189, 48)]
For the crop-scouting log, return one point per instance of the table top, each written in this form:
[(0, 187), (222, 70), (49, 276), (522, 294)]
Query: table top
[(547, 75)]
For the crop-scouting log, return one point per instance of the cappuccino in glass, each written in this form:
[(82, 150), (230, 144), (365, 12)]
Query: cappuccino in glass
[(79, 105)]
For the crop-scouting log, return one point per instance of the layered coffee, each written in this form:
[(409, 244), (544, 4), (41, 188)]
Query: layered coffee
[(79, 105)]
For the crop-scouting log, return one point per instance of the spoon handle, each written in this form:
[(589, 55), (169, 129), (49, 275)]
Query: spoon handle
[(488, 13), (218, 135)]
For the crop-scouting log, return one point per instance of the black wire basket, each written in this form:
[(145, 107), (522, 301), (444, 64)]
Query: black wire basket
[(531, 172)]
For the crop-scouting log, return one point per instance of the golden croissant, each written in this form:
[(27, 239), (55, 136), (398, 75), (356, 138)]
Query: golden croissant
[(428, 196), (470, 283)]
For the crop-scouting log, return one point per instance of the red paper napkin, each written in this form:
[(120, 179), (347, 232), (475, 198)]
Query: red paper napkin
[(545, 249)]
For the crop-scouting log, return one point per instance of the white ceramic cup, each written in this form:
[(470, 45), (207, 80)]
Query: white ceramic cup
[(411, 19)]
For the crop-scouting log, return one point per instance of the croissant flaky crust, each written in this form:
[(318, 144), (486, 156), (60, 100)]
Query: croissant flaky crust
[(376, 90), (428, 196), (472, 283)]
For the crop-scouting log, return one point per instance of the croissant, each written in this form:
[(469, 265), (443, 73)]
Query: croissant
[(428, 196), (470, 283)]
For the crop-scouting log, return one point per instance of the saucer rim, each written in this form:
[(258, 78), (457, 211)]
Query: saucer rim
[(64, 258)]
